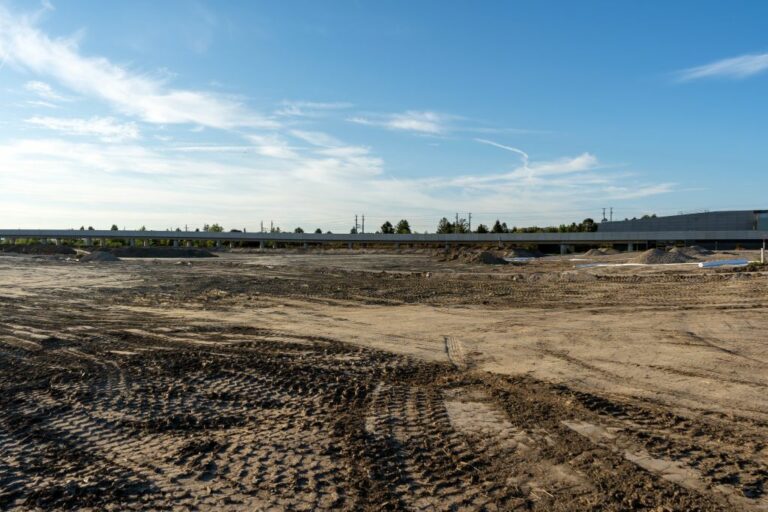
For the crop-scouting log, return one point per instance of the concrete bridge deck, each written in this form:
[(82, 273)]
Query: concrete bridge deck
[(592, 238)]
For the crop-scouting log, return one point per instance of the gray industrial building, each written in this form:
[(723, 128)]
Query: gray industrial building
[(735, 220)]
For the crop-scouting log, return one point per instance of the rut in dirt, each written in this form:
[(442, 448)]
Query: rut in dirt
[(231, 417)]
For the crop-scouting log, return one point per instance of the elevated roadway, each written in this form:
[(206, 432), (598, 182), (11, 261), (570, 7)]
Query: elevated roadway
[(562, 239)]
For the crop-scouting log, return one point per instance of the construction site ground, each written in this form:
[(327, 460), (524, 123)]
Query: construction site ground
[(346, 380)]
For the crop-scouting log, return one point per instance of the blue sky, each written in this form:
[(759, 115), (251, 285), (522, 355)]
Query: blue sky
[(178, 113)]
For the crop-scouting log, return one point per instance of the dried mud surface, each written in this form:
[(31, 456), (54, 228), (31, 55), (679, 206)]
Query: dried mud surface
[(109, 402)]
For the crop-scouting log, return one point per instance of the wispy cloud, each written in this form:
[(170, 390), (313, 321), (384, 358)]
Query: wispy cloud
[(739, 67), (414, 121), (107, 129), (23, 45), (533, 173), (310, 108), (316, 138), (44, 91), (273, 146)]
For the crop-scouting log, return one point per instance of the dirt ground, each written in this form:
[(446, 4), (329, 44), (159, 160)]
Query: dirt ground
[(369, 381)]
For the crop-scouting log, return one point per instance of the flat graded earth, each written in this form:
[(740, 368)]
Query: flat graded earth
[(364, 381)]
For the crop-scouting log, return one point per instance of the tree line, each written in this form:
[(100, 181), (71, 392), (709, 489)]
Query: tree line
[(444, 226)]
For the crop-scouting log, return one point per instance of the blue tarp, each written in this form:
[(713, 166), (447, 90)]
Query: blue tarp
[(724, 263)]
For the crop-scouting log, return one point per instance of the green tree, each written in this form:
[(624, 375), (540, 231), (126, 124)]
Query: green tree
[(588, 225), (481, 228), (403, 227), (444, 226), (114, 228), (143, 228), (497, 227), (318, 231), (298, 230), (387, 228), (213, 228)]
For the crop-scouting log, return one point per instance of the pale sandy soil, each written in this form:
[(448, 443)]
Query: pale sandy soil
[(659, 372)]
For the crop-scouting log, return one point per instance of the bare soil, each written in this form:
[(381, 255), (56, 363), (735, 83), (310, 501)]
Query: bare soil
[(379, 381)]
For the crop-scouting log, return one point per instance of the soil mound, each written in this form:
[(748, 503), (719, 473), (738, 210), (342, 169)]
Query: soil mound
[(488, 258), (162, 252), (694, 251), (603, 251), (99, 257), (660, 256), (523, 253), (700, 250), (44, 249)]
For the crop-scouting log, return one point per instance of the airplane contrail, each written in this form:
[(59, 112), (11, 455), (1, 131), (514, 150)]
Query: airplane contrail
[(508, 148)]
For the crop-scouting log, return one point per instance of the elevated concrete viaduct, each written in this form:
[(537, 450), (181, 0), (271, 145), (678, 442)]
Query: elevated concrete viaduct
[(565, 241)]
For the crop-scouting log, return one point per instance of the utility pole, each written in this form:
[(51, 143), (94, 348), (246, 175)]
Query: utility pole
[(611, 213), (262, 227), (363, 223), (456, 226), (355, 223), (470, 221), (604, 219), (271, 226)]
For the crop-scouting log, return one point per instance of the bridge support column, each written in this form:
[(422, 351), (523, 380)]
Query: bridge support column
[(145, 243), (88, 242), (306, 245), (262, 244), (349, 245), (565, 248), (188, 243), (103, 242), (630, 247), (218, 244), (175, 243)]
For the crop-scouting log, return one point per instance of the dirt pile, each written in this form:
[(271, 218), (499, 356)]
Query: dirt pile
[(693, 251), (660, 256), (488, 258), (603, 251), (162, 252), (523, 253), (42, 249), (99, 257)]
